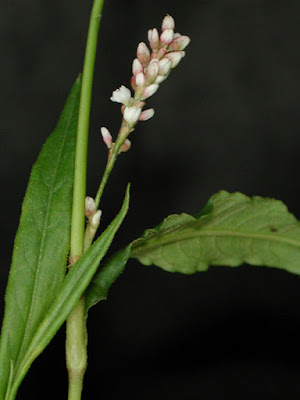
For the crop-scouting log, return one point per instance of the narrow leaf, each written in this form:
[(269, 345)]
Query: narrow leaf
[(72, 288), (105, 277), (234, 229), (42, 242)]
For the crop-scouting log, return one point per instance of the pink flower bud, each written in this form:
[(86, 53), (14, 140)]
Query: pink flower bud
[(179, 43), (140, 79), (131, 115), (121, 95), (143, 54), (164, 66), (106, 136), (167, 36), (137, 67), (161, 53), (132, 83), (175, 57), (147, 114), (149, 91), (153, 38), (125, 146), (152, 71), (95, 220), (168, 23), (90, 206)]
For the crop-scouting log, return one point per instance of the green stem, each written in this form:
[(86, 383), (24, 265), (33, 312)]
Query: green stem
[(76, 354), (79, 191), (76, 334)]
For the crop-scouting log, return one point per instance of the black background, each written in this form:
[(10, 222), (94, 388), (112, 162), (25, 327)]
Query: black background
[(226, 118)]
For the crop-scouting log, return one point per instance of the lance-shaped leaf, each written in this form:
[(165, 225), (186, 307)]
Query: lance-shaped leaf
[(233, 229), (70, 292), (105, 277), (42, 242)]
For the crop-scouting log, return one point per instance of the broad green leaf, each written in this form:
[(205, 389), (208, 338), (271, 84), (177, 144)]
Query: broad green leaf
[(75, 283), (234, 229), (42, 242), (105, 277)]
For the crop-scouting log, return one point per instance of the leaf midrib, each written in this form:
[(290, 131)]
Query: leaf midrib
[(161, 241)]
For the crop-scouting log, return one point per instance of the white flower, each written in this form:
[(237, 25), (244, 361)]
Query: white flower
[(121, 95), (131, 115)]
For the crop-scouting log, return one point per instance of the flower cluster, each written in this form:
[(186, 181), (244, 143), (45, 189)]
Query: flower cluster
[(93, 215), (149, 70)]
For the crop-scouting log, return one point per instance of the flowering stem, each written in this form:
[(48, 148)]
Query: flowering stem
[(76, 340), (112, 157)]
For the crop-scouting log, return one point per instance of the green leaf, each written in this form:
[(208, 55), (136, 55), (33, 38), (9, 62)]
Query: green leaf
[(236, 230), (105, 277), (75, 283), (42, 242)]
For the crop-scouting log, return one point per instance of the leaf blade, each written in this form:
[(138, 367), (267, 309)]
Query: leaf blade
[(74, 285), (105, 277), (237, 230), (42, 240)]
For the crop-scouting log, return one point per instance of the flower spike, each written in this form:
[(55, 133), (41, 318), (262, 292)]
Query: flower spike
[(149, 69)]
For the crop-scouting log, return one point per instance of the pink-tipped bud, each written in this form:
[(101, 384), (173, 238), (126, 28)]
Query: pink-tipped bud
[(152, 71), (95, 220), (106, 136), (149, 91), (125, 146), (131, 115), (164, 66), (143, 54), (175, 57), (90, 206), (121, 95), (168, 23), (153, 38), (132, 83), (140, 79), (137, 67), (147, 114), (161, 53), (179, 43), (167, 36)]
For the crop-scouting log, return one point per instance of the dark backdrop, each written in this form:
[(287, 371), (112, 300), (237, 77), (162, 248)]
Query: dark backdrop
[(225, 119)]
